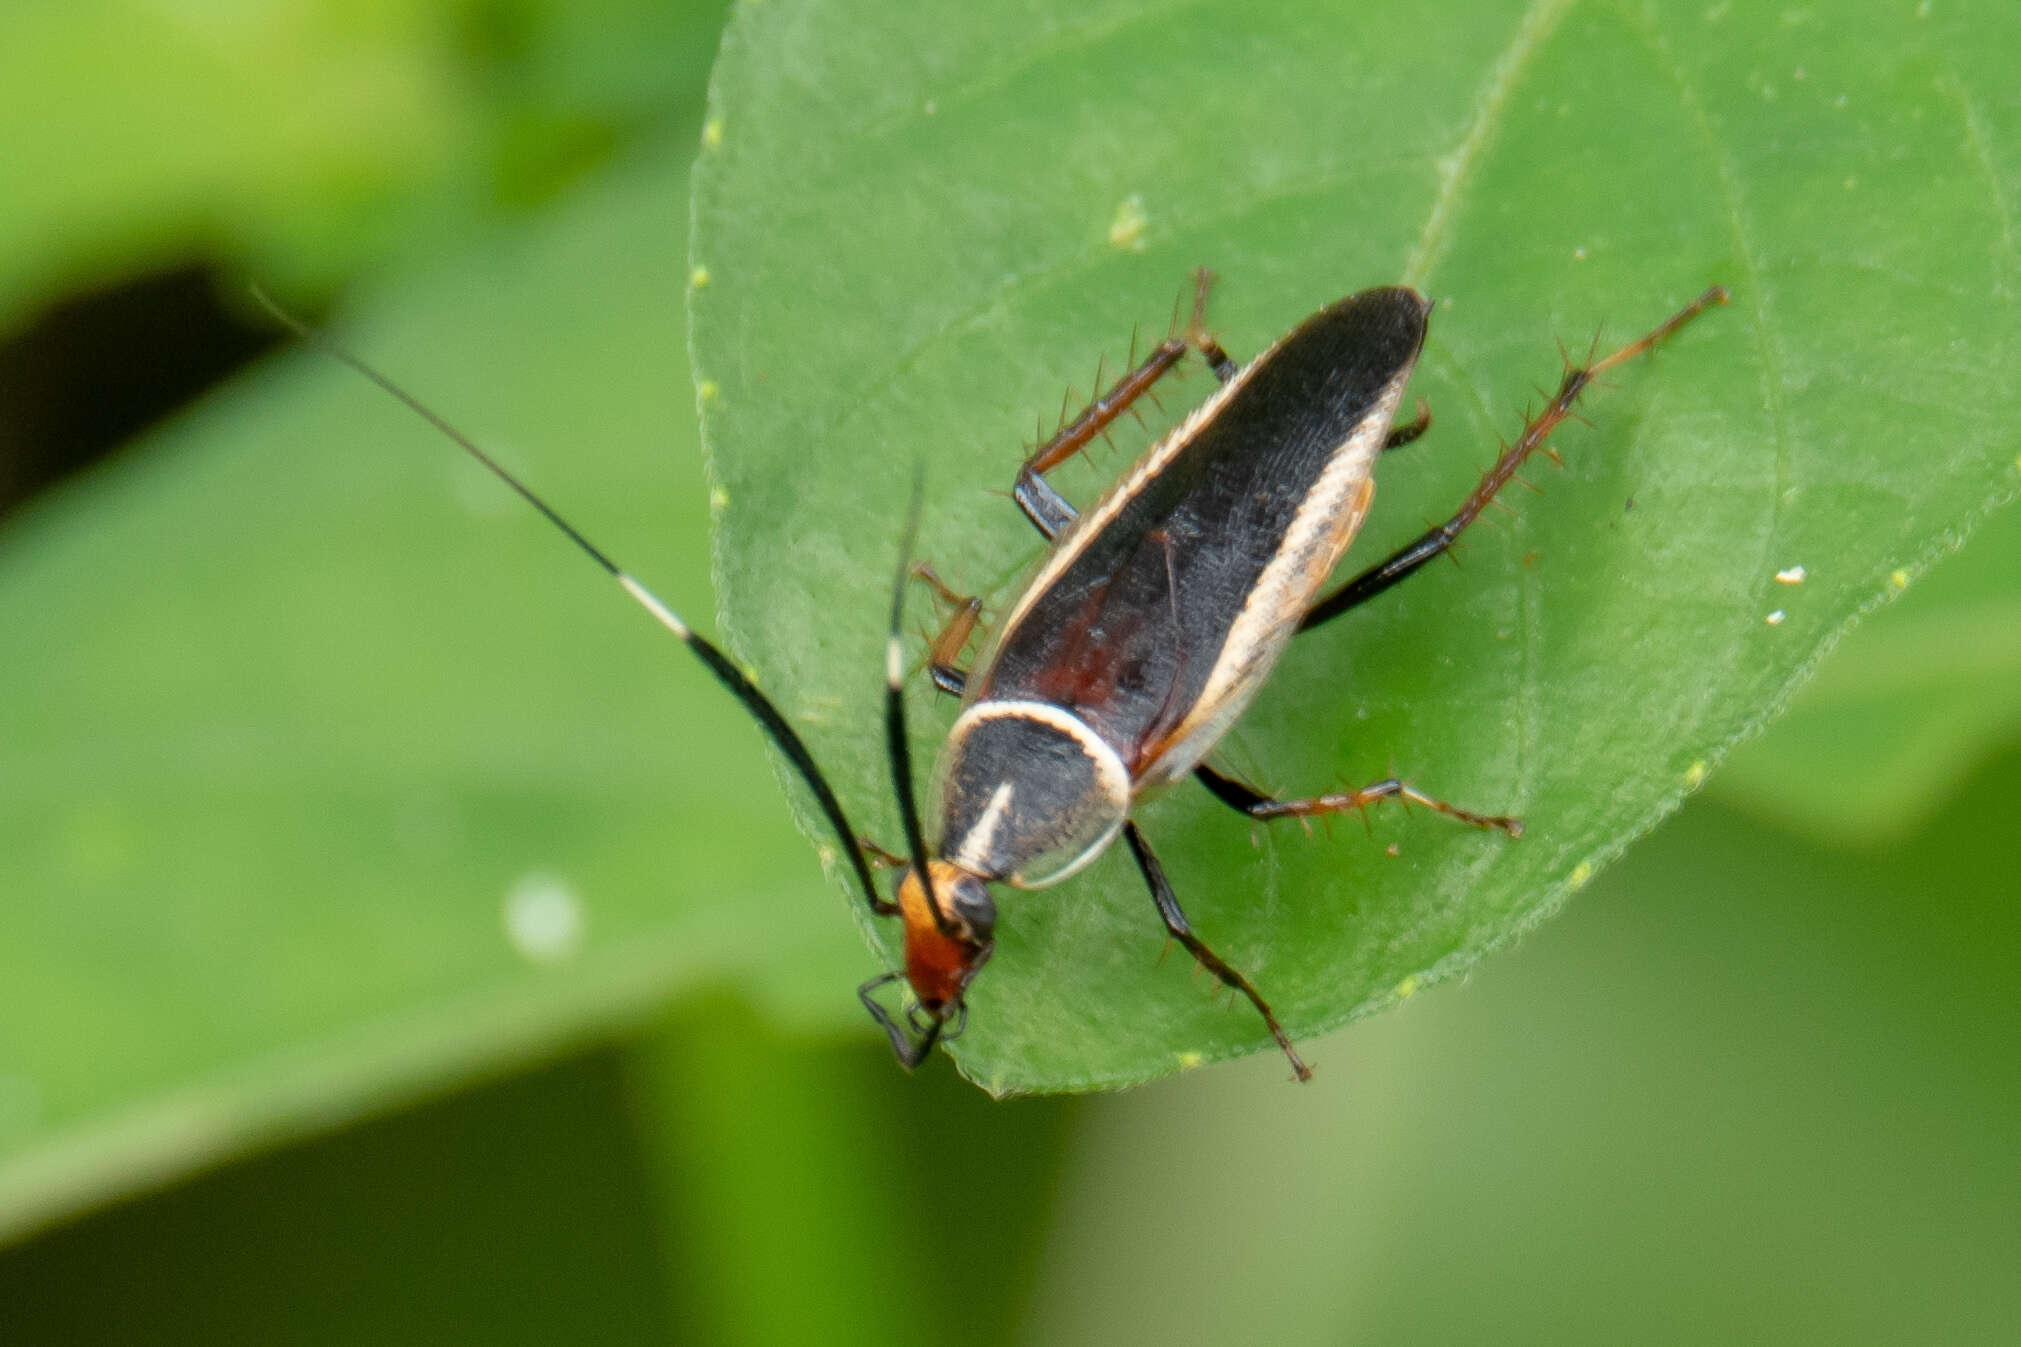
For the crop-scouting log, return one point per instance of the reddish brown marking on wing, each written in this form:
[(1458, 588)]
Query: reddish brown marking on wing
[(1102, 650)]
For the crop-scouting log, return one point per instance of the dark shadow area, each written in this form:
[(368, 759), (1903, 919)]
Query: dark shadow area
[(516, 1212), (97, 368)]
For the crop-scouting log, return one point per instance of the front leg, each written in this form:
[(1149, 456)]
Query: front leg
[(877, 857), (965, 610)]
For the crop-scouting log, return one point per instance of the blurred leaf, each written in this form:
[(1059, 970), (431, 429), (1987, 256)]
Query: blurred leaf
[(1748, 1090), (916, 227), (316, 741), (132, 134), (515, 1213), (314, 135), (774, 1153), (1915, 698)]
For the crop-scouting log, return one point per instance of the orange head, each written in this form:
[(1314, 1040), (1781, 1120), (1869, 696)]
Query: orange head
[(942, 954), (939, 962)]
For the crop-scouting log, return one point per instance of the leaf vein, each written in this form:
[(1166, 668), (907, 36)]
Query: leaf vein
[(1456, 170), (1768, 358), (1980, 144)]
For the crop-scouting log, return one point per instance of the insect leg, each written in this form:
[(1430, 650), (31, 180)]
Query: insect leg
[(1399, 436), (1046, 508), (877, 856), (1259, 806), (909, 1051), (1408, 560), (1182, 931), (966, 611)]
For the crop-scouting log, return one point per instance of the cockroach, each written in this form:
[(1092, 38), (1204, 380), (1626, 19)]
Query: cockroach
[(1150, 624)]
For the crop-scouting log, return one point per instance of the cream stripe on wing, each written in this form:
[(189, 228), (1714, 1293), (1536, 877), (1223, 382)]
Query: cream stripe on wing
[(974, 852), (1098, 515), (1313, 543)]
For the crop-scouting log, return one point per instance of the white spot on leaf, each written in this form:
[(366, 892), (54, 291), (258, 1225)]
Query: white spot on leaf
[(1126, 229), (544, 918)]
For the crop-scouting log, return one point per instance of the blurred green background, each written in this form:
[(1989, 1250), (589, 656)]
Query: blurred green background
[(302, 1037)]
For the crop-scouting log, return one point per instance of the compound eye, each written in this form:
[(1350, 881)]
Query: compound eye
[(974, 906)]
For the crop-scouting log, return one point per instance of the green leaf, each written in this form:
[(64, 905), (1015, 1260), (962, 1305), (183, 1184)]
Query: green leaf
[(302, 716), (915, 228), (1916, 698)]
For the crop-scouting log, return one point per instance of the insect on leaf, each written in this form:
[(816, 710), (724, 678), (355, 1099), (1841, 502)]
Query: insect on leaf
[(918, 230)]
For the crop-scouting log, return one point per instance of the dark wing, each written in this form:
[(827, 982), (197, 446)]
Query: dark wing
[(1156, 617)]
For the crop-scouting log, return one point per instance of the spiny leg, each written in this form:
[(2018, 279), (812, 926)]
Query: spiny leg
[(1182, 931), (1259, 806), (1408, 560), (965, 612), (1046, 508)]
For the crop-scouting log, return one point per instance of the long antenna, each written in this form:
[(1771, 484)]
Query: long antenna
[(726, 672), (897, 746)]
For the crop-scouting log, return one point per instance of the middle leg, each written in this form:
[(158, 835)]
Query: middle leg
[(1260, 806)]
